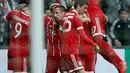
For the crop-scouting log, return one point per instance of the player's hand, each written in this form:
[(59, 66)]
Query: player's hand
[(84, 18), (80, 16), (118, 43), (97, 49), (106, 19)]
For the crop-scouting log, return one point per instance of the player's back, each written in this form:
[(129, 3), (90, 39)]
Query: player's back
[(19, 27), (70, 36), (94, 4)]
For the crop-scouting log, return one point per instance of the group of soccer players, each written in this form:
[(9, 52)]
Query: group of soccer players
[(74, 36)]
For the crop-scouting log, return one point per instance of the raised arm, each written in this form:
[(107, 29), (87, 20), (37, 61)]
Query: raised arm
[(84, 18)]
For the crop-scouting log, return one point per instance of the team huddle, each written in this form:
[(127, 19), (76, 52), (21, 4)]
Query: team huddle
[(74, 36)]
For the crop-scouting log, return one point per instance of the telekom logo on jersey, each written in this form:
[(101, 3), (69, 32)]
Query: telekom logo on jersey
[(67, 22)]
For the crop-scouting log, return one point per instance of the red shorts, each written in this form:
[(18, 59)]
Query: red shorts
[(18, 64), (97, 23), (87, 55), (18, 51), (53, 64), (72, 62)]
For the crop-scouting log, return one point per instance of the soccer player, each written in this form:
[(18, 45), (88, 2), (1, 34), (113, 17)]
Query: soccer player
[(97, 25), (70, 4), (71, 28), (52, 39), (86, 52), (18, 53)]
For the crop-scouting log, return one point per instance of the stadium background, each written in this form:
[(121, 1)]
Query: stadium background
[(102, 66)]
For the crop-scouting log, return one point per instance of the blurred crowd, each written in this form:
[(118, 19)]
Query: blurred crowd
[(117, 28)]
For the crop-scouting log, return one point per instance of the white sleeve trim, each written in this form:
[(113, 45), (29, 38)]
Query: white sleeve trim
[(78, 68), (99, 34), (113, 27), (79, 28), (5, 18)]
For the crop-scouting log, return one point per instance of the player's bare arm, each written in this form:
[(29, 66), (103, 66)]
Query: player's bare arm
[(84, 18), (106, 19)]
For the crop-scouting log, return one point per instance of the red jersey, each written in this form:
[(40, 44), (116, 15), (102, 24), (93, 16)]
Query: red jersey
[(52, 38), (93, 2), (97, 17), (70, 38), (85, 48), (86, 26), (19, 38)]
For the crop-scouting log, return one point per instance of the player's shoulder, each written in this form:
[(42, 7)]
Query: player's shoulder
[(14, 12), (46, 17), (71, 13)]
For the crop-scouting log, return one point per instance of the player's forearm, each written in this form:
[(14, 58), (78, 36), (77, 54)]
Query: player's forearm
[(85, 38), (85, 20)]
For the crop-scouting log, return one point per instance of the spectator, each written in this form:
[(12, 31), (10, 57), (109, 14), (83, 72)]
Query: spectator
[(119, 30), (4, 29)]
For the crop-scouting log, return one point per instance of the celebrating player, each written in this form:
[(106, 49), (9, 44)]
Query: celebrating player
[(86, 52), (97, 24), (52, 39), (19, 39), (71, 27)]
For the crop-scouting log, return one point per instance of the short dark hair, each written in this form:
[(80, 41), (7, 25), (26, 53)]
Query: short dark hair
[(123, 9), (62, 8), (81, 3), (27, 2)]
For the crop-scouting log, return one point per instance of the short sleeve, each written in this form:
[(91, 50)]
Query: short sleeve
[(9, 16), (78, 23)]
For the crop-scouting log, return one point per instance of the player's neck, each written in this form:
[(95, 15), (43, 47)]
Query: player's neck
[(76, 11), (27, 12)]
